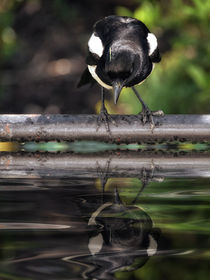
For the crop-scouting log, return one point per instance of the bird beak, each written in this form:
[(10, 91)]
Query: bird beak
[(117, 86)]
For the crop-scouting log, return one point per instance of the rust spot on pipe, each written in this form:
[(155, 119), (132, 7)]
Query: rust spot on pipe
[(6, 162), (7, 129)]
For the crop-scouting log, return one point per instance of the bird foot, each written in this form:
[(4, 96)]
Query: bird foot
[(106, 119), (147, 116)]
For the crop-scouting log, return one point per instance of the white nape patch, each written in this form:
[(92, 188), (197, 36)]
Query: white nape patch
[(152, 41), (95, 244), (95, 45), (152, 249), (92, 70)]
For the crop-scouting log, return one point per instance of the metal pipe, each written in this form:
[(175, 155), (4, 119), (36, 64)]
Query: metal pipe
[(123, 164), (83, 127)]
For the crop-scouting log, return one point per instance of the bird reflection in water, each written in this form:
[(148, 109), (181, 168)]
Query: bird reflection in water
[(121, 237)]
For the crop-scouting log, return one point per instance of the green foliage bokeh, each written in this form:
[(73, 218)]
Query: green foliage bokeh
[(180, 83)]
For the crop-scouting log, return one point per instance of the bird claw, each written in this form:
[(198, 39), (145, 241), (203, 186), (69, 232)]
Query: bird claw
[(105, 118), (158, 113), (147, 116)]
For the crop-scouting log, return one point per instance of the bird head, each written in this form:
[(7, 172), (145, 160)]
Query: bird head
[(121, 68)]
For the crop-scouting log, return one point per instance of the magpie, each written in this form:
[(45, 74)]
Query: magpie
[(122, 52), (119, 235)]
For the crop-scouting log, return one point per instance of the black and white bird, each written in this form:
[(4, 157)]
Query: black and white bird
[(122, 53)]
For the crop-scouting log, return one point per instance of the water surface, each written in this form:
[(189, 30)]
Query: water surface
[(110, 216)]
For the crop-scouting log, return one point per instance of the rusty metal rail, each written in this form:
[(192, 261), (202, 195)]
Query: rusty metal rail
[(83, 127)]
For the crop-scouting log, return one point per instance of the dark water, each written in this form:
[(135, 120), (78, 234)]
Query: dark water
[(104, 217)]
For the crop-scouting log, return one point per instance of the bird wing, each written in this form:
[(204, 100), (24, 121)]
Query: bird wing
[(155, 56), (86, 77)]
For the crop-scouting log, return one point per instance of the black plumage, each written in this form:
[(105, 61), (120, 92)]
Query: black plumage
[(122, 53)]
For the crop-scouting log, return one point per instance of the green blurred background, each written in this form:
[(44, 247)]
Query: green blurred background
[(43, 45)]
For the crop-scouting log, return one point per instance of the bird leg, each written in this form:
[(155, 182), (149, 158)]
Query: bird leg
[(146, 113), (104, 116), (103, 173), (147, 176)]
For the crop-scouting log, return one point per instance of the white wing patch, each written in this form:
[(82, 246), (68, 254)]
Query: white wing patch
[(152, 41), (152, 246), (95, 45), (95, 244)]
